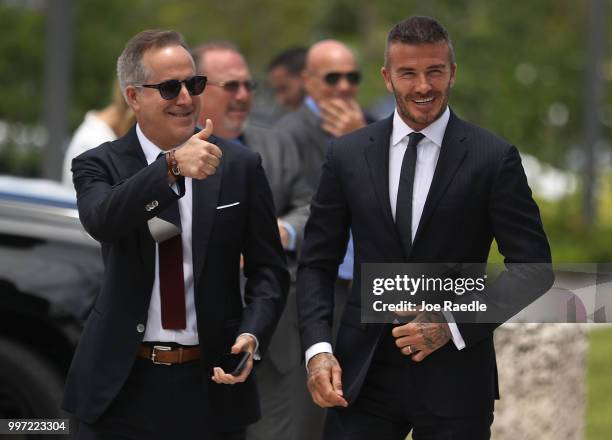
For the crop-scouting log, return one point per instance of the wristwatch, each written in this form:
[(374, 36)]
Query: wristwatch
[(173, 168)]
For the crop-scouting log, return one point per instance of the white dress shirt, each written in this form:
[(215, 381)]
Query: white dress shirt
[(154, 330), (428, 152)]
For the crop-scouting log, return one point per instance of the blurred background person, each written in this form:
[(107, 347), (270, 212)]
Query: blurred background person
[(330, 109), (285, 77), (99, 126), (227, 101)]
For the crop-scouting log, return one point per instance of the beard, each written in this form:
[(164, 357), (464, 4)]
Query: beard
[(233, 123), (422, 120)]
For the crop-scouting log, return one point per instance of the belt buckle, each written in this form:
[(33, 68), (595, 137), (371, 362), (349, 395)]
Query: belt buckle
[(159, 348)]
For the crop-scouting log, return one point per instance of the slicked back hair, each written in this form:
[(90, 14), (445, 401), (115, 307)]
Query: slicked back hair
[(419, 30), (130, 69)]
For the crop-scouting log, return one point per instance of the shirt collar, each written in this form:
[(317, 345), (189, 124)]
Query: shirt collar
[(434, 131), (150, 150), (312, 105)]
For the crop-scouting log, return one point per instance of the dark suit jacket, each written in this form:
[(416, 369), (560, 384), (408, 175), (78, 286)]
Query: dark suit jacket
[(117, 193), (292, 196), (479, 192)]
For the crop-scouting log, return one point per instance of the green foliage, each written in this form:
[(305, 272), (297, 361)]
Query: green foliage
[(491, 38), (21, 64)]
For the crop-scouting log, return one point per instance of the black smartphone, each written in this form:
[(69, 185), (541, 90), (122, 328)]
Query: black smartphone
[(233, 363)]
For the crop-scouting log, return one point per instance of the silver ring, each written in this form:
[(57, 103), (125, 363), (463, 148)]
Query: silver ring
[(410, 349)]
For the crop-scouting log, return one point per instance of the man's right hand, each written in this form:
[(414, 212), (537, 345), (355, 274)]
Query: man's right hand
[(199, 158), (341, 116), (325, 381)]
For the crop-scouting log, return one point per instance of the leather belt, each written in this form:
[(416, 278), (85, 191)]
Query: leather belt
[(164, 355)]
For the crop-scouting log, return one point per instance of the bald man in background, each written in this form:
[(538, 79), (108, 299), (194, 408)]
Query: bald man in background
[(330, 109), (227, 102)]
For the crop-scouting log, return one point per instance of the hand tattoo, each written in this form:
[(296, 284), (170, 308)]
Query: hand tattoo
[(323, 364), (433, 328)]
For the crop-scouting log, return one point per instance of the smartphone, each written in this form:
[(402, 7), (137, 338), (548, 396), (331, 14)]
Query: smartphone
[(233, 363)]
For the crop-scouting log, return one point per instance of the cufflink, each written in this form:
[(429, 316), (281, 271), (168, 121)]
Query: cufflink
[(151, 206)]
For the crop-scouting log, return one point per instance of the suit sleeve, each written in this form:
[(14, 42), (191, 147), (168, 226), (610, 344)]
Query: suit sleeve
[(110, 210), (265, 266), (518, 230), (325, 239), (299, 191)]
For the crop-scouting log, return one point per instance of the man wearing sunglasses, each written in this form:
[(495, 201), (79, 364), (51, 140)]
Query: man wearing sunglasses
[(331, 79), (227, 101), (174, 211)]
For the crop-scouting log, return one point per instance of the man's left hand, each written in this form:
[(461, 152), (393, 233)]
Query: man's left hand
[(422, 336), (243, 343)]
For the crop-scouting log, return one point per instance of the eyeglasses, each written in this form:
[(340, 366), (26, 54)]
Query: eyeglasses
[(170, 89), (234, 85), (332, 78)]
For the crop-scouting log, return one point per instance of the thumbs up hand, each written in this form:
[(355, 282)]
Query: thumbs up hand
[(198, 158)]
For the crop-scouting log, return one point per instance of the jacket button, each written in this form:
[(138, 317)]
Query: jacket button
[(140, 328), (151, 206)]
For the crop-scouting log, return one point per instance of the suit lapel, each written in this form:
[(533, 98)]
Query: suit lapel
[(377, 158), (452, 154), (205, 198)]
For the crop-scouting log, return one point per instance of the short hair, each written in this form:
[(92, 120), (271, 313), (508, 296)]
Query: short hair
[(130, 69), (419, 30), (293, 59), (200, 52)]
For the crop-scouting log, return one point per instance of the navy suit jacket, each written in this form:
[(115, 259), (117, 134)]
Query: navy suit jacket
[(479, 192), (117, 193)]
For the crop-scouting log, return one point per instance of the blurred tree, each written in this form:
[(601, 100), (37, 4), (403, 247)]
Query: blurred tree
[(520, 63), (21, 63)]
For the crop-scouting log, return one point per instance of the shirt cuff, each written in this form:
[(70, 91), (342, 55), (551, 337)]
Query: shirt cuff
[(456, 335), (315, 349), (292, 235), (256, 355)]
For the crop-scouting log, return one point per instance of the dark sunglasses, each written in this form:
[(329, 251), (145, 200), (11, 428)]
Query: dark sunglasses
[(234, 85), (332, 78), (170, 89)]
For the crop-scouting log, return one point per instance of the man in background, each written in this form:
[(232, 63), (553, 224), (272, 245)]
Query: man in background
[(227, 101), (285, 77), (330, 109)]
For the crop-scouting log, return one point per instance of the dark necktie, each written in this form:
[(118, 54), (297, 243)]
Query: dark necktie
[(171, 280), (403, 208)]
